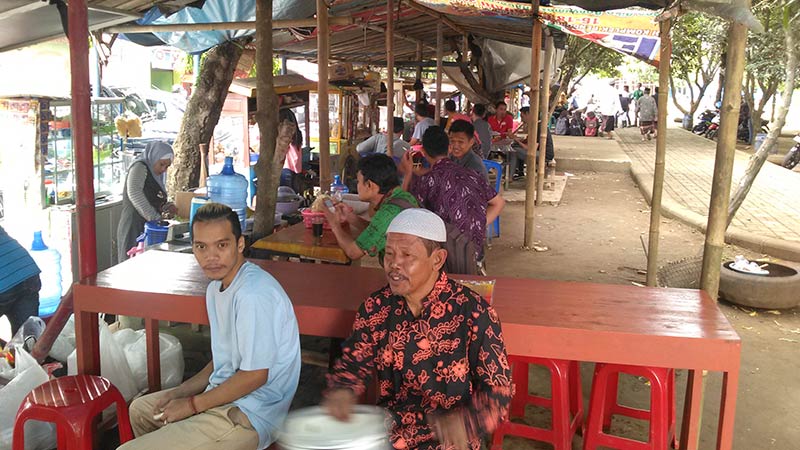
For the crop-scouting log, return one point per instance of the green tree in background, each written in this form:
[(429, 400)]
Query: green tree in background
[(698, 45), (766, 57)]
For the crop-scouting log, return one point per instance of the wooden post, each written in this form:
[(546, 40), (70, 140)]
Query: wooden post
[(323, 50), (723, 165), (389, 76), (665, 58), (533, 126), (544, 113), (439, 56), (267, 169), (418, 95), (82, 137)]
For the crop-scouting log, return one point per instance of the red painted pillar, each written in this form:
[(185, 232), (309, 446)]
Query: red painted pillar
[(82, 136)]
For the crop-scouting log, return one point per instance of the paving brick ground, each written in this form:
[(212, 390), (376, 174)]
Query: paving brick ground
[(771, 208)]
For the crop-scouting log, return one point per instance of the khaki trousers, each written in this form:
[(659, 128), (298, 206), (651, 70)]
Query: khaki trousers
[(223, 427)]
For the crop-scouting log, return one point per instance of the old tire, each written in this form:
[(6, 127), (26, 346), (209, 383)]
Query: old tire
[(778, 290)]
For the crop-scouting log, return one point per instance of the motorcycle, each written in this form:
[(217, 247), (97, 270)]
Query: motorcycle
[(705, 120), (713, 128), (793, 157)]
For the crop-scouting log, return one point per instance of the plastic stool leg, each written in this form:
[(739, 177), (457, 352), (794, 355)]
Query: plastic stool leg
[(612, 390), (560, 395), (575, 389), (123, 421), (519, 373), (597, 407), (18, 437), (659, 413)]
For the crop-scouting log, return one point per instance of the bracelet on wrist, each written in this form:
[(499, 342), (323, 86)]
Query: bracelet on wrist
[(194, 407)]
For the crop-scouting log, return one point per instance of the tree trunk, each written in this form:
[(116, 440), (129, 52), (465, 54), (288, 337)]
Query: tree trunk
[(202, 114), (757, 160), (267, 120)]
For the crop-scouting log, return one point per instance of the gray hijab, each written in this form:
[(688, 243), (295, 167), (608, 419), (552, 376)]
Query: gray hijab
[(154, 152)]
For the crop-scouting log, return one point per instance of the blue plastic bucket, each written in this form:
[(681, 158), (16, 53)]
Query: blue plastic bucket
[(155, 232)]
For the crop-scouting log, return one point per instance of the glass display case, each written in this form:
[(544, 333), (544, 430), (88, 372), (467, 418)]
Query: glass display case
[(59, 164)]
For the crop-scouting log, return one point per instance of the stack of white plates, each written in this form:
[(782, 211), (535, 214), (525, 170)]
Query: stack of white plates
[(314, 429)]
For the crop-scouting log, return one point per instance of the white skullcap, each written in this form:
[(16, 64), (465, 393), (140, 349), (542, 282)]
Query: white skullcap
[(421, 223)]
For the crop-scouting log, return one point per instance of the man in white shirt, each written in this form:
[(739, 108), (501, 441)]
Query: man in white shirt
[(423, 122), (377, 142), (242, 396)]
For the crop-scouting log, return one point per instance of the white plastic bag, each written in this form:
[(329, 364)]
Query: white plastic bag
[(113, 364), (29, 375), (65, 342), (131, 347), (134, 343)]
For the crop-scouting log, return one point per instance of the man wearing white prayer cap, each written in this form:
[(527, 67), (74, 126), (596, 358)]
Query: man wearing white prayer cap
[(437, 347)]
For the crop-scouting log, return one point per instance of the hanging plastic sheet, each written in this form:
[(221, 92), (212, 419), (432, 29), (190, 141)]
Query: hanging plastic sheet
[(218, 11)]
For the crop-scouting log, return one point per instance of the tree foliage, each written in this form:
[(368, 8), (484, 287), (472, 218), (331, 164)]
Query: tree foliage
[(581, 58), (584, 57), (766, 56), (698, 47), (789, 11)]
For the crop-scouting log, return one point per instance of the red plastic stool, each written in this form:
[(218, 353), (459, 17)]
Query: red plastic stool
[(603, 406), (72, 403), (565, 403)]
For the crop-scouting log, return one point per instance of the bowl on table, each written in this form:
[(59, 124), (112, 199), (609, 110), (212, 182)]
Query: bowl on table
[(352, 201)]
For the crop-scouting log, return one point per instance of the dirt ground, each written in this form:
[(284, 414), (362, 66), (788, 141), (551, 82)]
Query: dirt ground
[(594, 235)]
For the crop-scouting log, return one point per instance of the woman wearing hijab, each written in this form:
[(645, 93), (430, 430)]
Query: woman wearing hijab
[(145, 195)]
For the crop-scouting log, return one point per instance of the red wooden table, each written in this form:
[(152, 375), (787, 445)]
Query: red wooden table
[(676, 328)]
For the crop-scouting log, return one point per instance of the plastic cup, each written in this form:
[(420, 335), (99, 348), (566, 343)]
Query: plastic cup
[(316, 225)]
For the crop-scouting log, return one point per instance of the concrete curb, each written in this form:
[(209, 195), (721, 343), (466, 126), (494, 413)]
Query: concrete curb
[(778, 248)]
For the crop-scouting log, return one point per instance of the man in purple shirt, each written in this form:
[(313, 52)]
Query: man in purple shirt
[(458, 195)]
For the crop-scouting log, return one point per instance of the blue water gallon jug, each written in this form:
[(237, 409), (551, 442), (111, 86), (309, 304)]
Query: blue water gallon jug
[(338, 188), (229, 188), (49, 262)]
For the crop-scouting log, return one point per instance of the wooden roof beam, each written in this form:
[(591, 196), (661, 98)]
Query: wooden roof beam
[(214, 26), (430, 12), (400, 35)]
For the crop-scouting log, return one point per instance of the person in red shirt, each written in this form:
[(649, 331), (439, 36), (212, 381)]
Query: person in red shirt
[(501, 122)]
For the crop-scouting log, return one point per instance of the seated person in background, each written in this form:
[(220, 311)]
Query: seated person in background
[(576, 124), (562, 123), (378, 185), (501, 122), (462, 138), (243, 395), (377, 142), (521, 147), (19, 282), (453, 115), (437, 347), (458, 195), (423, 122), (592, 123), (482, 128)]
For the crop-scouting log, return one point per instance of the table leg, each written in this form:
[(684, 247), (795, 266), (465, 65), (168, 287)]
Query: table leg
[(692, 411), (727, 409), (87, 342), (153, 355), (508, 174)]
